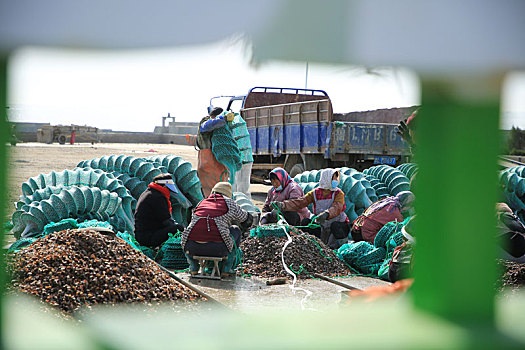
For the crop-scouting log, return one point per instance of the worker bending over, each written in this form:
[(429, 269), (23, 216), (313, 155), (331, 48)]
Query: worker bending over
[(213, 229), (284, 188), (329, 207), (394, 208), (153, 219)]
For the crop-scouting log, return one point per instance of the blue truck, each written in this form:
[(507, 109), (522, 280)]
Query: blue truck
[(296, 129)]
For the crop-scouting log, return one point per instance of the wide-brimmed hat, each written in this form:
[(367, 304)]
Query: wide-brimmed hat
[(224, 188)]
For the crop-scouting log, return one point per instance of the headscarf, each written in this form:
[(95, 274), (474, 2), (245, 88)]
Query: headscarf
[(224, 188), (406, 199), (325, 182), (283, 177), (162, 189)]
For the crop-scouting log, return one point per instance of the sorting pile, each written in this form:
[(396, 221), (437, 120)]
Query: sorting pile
[(512, 275), (75, 268), (305, 255)]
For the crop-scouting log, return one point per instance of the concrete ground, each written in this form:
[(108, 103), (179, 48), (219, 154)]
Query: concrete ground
[(251, 294)]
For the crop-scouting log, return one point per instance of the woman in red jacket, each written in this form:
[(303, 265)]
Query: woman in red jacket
[(215, 228)]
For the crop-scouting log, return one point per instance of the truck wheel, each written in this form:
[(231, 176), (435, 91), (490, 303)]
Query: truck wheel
[(62, 139), (296, 169)]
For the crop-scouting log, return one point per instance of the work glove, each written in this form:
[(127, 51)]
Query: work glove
[(403, 131), (246, 224), (279, 205), (269, 217), (319, 220)]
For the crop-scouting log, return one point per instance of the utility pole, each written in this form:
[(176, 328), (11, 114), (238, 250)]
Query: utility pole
[(306, 79)]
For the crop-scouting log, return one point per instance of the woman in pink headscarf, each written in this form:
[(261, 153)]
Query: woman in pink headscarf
[(283, 188)]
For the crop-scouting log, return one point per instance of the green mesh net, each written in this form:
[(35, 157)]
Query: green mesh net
[(224, 148), (384, 269), (65, 224), (21, 243), (150, 253), (242, 136), (269, 230), (371, 261), (171, 254), (95, 223), (126, 236), (386, 232)]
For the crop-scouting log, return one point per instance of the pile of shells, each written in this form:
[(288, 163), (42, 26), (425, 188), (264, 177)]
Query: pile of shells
[(512, 275), (305, 255), (74, 268)]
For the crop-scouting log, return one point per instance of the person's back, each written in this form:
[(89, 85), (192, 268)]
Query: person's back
[(388, 209), (213, 229), (153, 221)]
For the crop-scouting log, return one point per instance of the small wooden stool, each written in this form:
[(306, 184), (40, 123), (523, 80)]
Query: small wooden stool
[(216, 271)]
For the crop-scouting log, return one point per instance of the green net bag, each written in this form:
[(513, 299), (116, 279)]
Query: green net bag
[(172, 254), (382, 273), (269, 230), (386, 232), (242, 137), (225, 149), (351, 252), (129, 239), (371, 261), (394, 241)]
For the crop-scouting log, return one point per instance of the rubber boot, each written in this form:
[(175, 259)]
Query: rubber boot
[(231, 263)]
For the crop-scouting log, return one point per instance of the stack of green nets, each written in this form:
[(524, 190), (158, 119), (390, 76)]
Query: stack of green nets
[(225, 149), (269, 230), (171, 255), (242, 136)]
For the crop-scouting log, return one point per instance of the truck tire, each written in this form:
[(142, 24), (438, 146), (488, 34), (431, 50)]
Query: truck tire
[(62, 139), (296, 169)]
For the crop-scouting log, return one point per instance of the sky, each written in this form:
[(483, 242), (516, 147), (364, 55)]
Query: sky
[(133, 90)]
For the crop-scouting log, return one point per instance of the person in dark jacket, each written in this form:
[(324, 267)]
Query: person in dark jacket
[(216, 228), (153, 219)]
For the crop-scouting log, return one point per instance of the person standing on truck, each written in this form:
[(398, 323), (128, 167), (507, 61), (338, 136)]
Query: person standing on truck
[(216, 228), (153, 219), (284, 188), (329, 207), (209, 170)]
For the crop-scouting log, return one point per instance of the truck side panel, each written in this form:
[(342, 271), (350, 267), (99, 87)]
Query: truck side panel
[(289, 129), (366, 138)]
